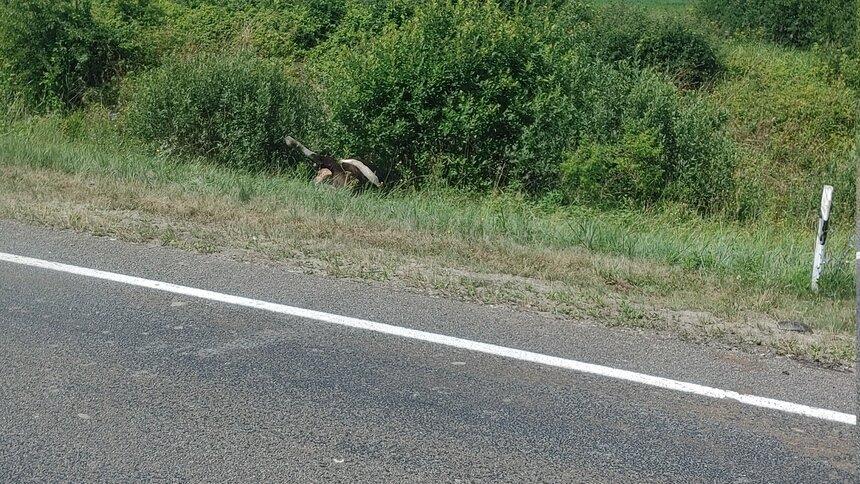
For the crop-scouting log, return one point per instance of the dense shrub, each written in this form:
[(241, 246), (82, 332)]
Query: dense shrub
[(667, 44), (273, 33), (466, 94), (232, 110), (704, 157), (685, 55), (444, 96), (641, 142), (627, 172), (135, 25), (363, 19), (203, 28), (797, 23), (57, 52), (268, 28), (320, 19)]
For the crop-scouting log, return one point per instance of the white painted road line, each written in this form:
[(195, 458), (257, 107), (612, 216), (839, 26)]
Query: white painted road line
[(491, 349)]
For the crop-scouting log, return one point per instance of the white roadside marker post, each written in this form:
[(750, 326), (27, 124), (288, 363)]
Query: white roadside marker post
[(821, 239)]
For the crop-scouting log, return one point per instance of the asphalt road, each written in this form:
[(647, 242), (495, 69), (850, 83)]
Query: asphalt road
[(108, 382)]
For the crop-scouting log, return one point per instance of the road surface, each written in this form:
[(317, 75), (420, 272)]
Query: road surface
[(105, 381)]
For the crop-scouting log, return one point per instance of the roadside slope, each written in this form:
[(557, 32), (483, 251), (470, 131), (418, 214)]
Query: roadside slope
[(471, 251)]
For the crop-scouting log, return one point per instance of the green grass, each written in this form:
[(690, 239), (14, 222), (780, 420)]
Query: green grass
[(695, 278), (764, 255), (795, 123)]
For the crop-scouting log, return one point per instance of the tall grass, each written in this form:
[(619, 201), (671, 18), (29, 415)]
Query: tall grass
[(764, 256)]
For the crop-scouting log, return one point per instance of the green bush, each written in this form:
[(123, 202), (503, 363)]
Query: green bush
[(443, 97), (797, 23), (197, 29), (57, 52), (704, 157), (273, 33), (320, 19), (269, 28), (685, 55), (294, 32), (627, 172), (470, 96), (643, 143), (563, 110), (134, 24), (667, 44), (232, 110), (363, 19)]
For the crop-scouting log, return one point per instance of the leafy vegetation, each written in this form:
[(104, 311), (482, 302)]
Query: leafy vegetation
[(797, 23), (233, 110), (560, 104), (670, 44), (443, 97), (469, 96), (58, 52)]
